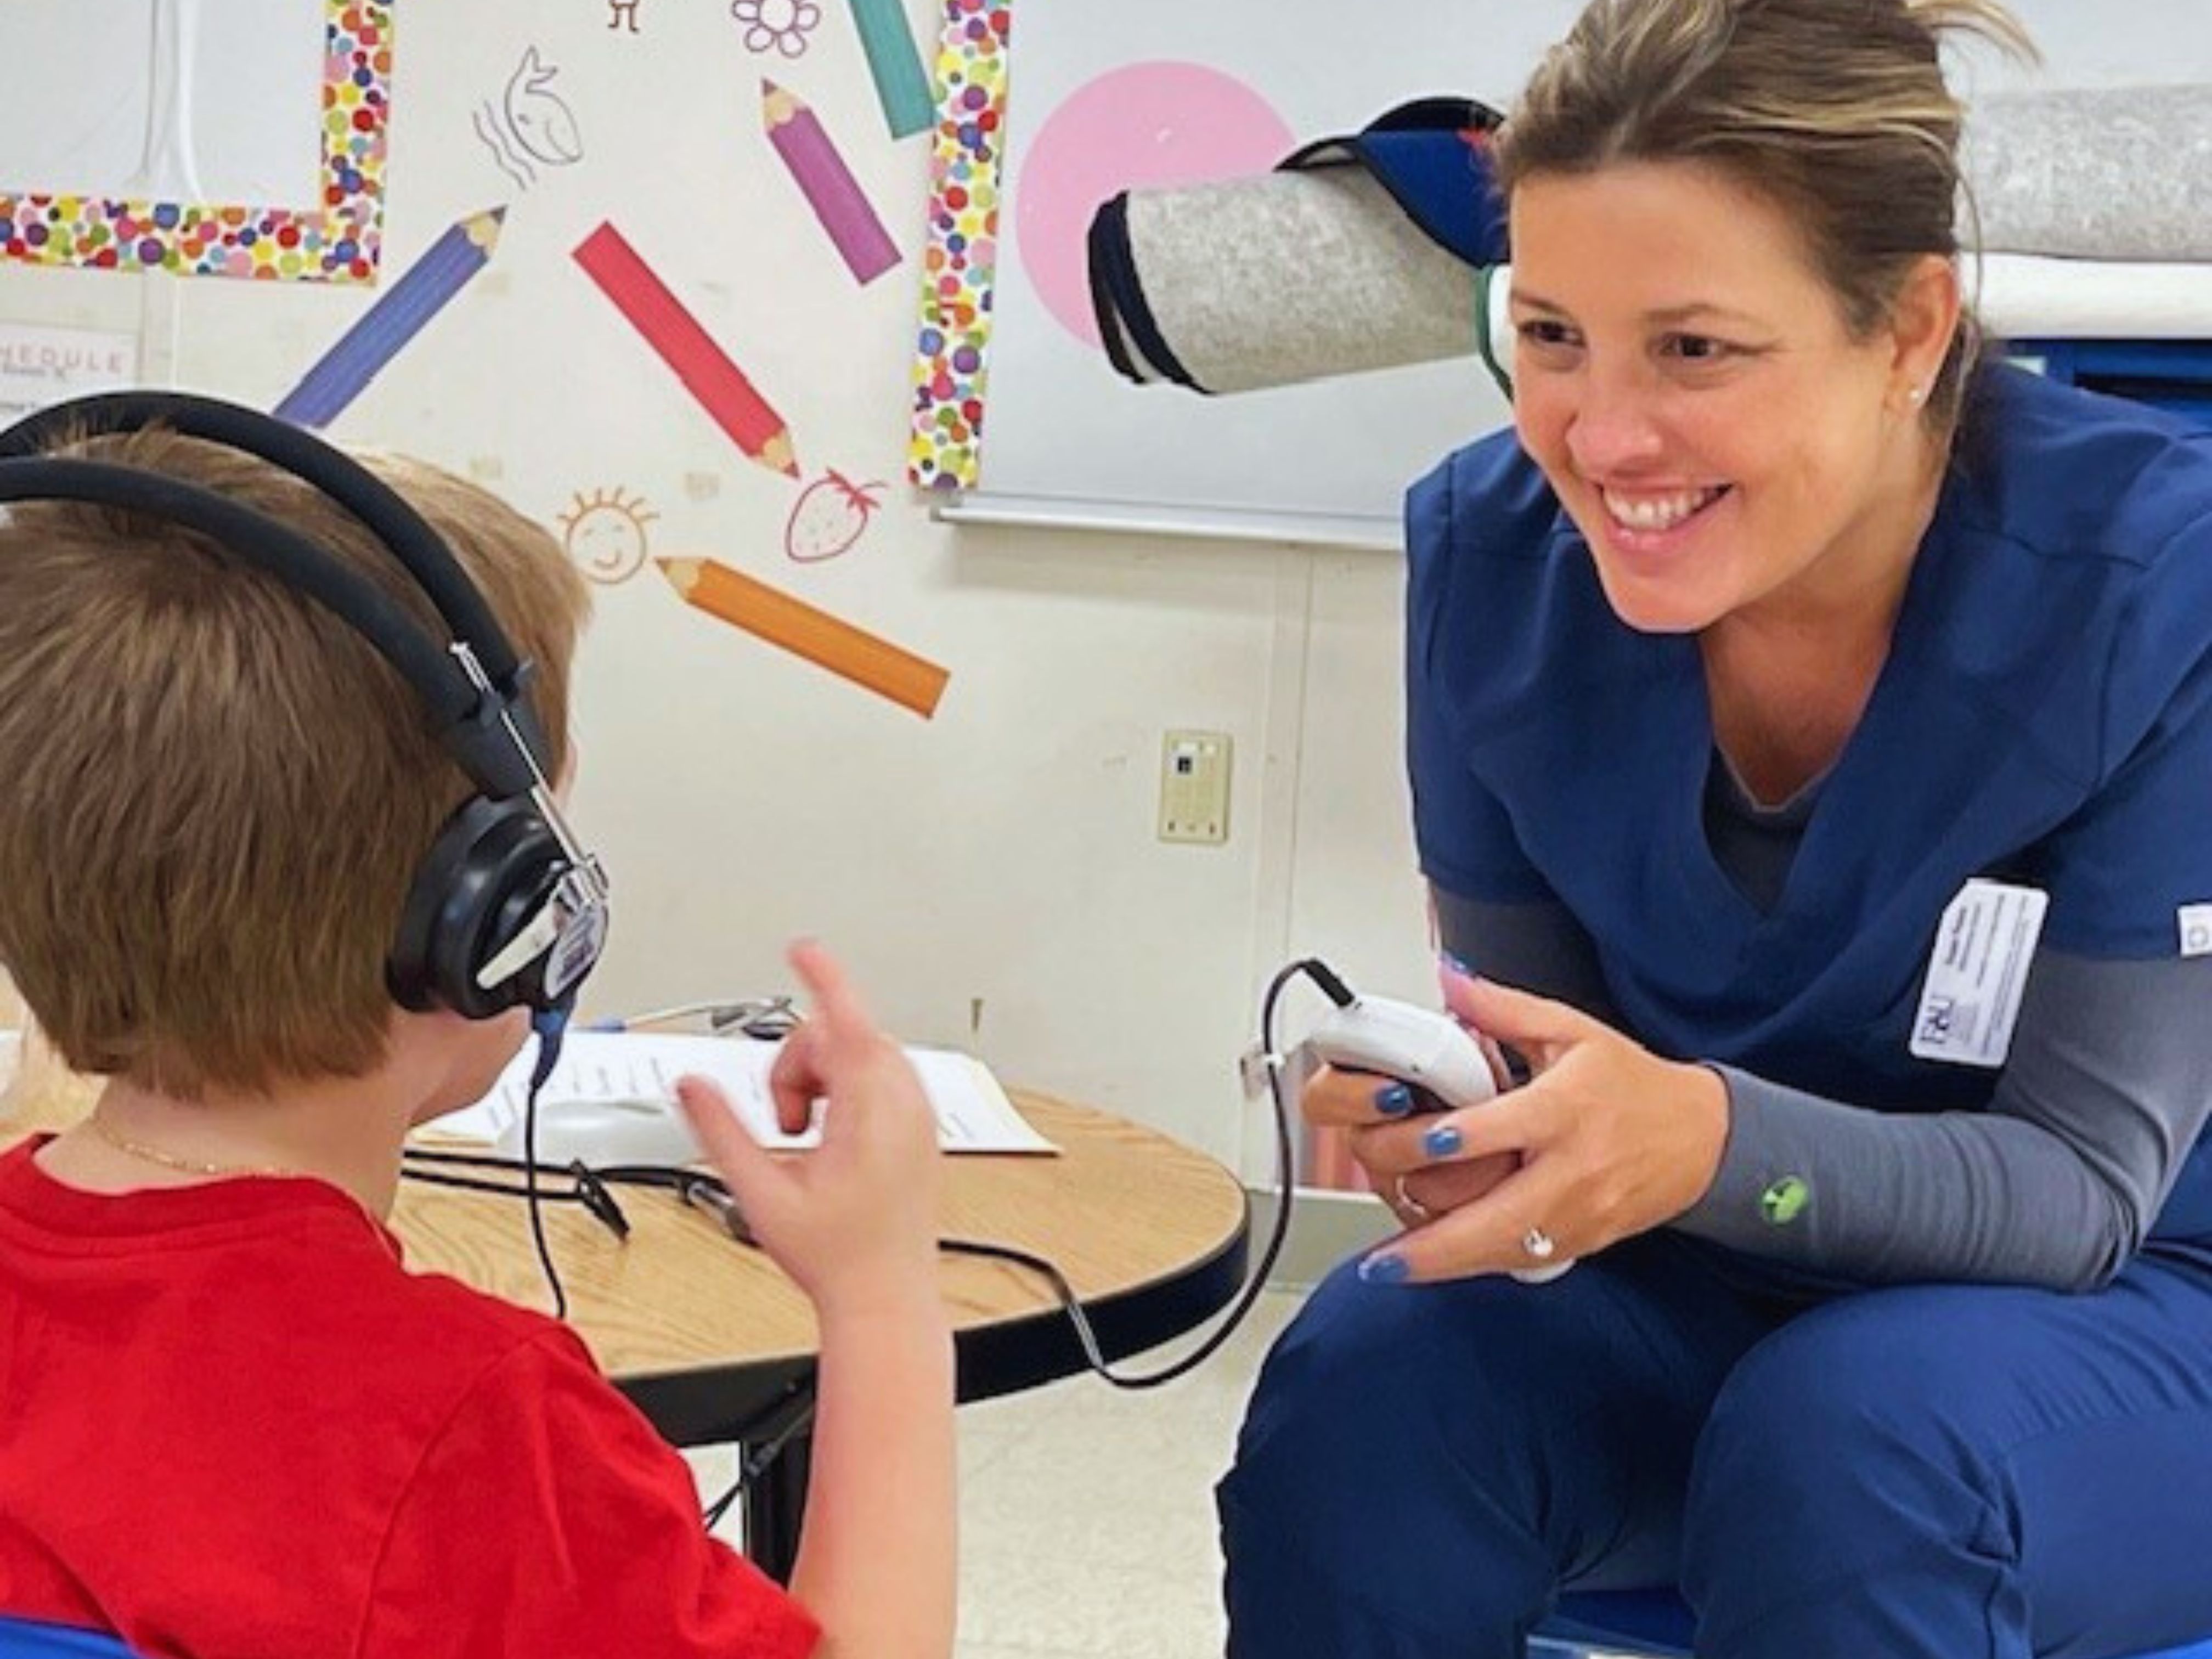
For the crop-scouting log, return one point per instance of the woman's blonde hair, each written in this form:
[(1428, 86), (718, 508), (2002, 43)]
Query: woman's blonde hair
[(213, 795), (1836, 111)]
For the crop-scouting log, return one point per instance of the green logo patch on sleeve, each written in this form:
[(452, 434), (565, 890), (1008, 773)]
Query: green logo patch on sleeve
[(1784, 1201)]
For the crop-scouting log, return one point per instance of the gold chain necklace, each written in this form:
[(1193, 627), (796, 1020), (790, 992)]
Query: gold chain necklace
[(106, 1132), (122, 1142)]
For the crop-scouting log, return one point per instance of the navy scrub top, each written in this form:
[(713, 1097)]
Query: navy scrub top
[(2045, 717)]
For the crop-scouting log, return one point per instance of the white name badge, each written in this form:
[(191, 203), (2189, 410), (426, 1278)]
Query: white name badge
[(1978, 973)]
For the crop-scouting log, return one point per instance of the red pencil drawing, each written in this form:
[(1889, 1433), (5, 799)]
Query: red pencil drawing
[(831, 514)]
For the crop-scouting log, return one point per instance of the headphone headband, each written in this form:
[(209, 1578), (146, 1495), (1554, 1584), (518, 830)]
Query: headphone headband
[(385, 513), (507, 908), (470, 723)]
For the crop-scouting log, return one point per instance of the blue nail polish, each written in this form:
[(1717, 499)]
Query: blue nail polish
[(1442, 1141), (1453, 964), (1394, 1100), (1383, 1269)]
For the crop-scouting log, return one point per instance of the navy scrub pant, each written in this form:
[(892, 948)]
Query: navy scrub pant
[(1928, 1472)]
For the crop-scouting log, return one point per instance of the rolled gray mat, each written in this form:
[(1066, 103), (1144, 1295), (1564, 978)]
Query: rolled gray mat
[(1291, 276), (2112, 174), (1295, 275)]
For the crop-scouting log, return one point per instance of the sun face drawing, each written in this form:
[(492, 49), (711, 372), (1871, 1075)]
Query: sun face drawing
[(604, 534)]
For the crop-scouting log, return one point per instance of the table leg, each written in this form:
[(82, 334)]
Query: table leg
[(774, 1504)]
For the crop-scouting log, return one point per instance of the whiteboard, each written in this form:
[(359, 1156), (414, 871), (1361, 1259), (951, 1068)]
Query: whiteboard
[(1067, 442), (171, 101)]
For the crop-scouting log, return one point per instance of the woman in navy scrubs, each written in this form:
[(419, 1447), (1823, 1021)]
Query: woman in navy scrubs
[(1811, 740)]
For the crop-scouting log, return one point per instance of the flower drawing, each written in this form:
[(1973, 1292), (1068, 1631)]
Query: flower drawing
[(778, 25)]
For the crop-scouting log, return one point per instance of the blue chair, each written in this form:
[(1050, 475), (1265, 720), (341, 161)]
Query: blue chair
[(20, 1639), (1655, 1623)]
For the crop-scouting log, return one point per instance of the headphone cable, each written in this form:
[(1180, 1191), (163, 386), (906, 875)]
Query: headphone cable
[(757, 1460), (753, 1461), (551, 1025), (1093, 1353)]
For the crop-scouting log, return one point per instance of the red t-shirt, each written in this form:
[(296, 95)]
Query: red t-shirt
[(232, 1426)]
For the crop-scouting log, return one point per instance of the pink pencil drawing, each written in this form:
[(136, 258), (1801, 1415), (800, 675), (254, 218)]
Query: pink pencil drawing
[(797, 136)]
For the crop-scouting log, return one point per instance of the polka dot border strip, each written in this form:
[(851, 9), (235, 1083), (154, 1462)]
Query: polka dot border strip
[(960, 261), (337, 242)]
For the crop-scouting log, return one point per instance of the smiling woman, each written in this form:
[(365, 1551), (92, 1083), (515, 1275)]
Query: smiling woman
[(1810, 730), (1643, 393)]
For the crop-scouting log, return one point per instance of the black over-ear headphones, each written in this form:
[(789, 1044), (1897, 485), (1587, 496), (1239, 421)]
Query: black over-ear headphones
[(508, 910)]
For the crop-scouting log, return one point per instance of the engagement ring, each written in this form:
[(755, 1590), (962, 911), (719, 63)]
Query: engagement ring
[(1407, 1204)]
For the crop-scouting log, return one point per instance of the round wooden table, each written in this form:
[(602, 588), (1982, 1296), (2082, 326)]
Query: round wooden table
[(715, 1345), (702, 1332)]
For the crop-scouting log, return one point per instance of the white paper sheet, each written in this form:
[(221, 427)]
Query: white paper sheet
[(40, 366), (619, 1068)]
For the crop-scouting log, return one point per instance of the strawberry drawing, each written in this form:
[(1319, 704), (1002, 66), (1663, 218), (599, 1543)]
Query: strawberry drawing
[(831, 515)]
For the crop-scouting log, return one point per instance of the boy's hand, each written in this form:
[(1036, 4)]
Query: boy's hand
[(854, 1221)]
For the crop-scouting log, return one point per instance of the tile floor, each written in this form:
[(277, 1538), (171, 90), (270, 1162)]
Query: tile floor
[(1086, 1512)]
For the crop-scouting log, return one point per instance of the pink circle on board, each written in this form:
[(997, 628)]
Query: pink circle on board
[(1145, 125)]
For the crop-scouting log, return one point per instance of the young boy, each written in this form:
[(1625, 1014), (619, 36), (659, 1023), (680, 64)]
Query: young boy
[(232, 1425)]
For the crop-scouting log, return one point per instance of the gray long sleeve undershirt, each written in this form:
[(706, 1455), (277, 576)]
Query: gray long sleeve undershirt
[(2056, 1183)]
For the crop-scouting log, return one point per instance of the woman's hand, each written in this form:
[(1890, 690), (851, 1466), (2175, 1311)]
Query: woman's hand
[(854, 1221), (1606, 1140), (1357, 1102)]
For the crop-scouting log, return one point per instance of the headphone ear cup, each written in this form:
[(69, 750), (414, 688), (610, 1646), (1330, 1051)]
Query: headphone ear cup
[(490, 868)]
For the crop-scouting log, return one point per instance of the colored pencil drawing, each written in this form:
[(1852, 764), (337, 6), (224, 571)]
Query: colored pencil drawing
[(719, 387), (895, 63), (811, 158), (828, 641), (831, 515), (529, 124), (604, 534), (782, 26), (401, 312)]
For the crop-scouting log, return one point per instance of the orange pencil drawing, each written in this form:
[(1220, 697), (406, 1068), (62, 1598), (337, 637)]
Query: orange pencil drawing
[(770, 614)]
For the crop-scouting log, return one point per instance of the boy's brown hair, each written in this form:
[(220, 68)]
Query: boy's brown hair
[(214, 793)]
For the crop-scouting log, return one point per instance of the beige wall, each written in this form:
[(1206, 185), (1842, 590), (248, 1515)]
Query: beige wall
[(993, 875), (1000, 858)]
